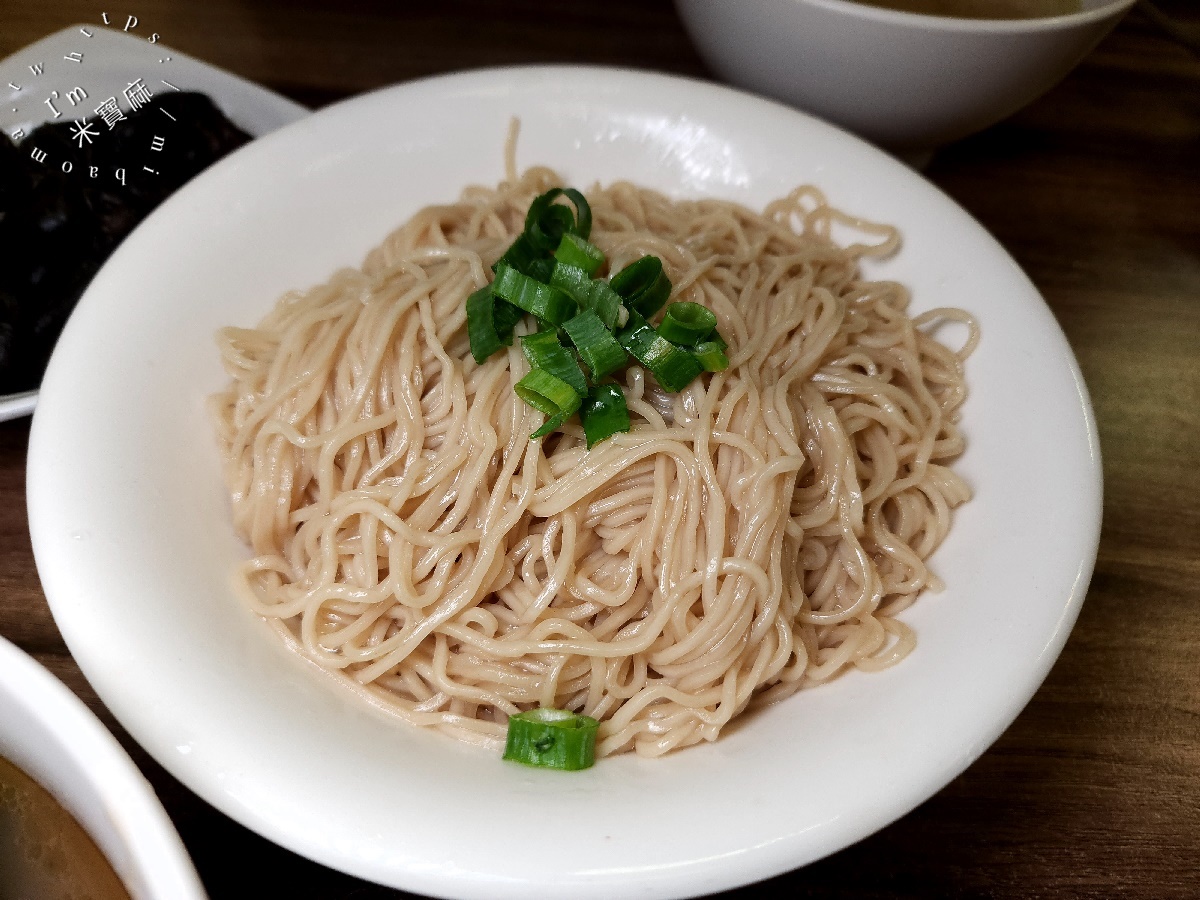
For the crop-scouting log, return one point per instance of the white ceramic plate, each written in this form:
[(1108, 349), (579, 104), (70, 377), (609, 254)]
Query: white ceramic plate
[(109, 61), (48, 732), (133, 540)]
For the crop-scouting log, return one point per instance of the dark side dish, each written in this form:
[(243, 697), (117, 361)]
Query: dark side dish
[(66, 203)]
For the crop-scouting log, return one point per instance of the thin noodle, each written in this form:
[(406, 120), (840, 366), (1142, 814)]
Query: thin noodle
[(752, 536)]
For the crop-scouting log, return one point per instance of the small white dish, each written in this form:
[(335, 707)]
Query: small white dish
[(131, 525), (110, 61), (905, 80), (46, 731)]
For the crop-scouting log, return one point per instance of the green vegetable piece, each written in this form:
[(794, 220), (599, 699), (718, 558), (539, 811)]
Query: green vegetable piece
[(687, 324), (576, 251), (547, 303), (489, 323), (673, 368), (643, 285), (604, 413), (712, 356), (552, 739), (550, 395), (595, 343), (545, 352), (546, 222), (605, 303), (573, 280), (519, 255)]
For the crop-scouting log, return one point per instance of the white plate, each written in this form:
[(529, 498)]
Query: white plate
[(48, 733), (109, 61), (131, 526)]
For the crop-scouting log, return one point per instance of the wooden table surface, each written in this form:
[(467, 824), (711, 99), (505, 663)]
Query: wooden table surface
[(1094, 791)]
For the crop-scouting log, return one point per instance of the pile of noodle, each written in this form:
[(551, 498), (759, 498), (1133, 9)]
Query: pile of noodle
[(751, 536)]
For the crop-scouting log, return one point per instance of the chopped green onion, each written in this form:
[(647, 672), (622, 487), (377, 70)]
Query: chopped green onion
[(673, 368), (552, 739), (687, 324), (603, 413), (546, 222), (540, 270), (545, 352), (643, 284), (590, 294), (548, 271), (520, 254), (576, 251), (489, 323), (606, 303), (547, 393), (572, 279), (547, 303), (505, 317), (712, 356), (552, 424), (595, 343)]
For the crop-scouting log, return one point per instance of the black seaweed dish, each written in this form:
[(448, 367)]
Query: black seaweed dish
[(57, 228)]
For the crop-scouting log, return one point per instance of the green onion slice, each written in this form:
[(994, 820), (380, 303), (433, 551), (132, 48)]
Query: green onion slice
[(546, 222), (673, 368), (489, 323), (540, 270), (547, 303), (576, 251), (550, 395), (606, 303), (595, 343), (643, 284), (590, 294), (552, 739), (545, 352), (687, 324), (572, 279), (603, 413), (712, 356), (520, 255)]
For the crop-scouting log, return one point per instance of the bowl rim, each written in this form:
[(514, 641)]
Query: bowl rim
[(929, 21)]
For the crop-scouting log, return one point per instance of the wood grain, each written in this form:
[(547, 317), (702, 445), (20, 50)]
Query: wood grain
[(1094, 792)]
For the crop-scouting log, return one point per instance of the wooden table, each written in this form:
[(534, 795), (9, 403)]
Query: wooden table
[(1095, 189)]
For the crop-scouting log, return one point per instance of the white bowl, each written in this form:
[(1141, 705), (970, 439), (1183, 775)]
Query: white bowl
[(131, 524), (904, 80), (46, 731)]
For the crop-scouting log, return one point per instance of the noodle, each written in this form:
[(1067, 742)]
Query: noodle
[(754, 534)]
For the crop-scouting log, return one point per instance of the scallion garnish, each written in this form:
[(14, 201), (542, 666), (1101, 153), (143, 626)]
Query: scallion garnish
[(546, 222), (545, 352), (603, 413), (552, 739), (711, 356), (576, 251), (485, 332), (673, 368), (547, 303), (644, 285), (687, 324), (596, 345), (549, 271), (518, 256), (548, 393)]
